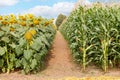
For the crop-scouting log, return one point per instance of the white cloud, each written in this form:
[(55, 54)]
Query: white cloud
[(52, 11), (8, 2), (26, 0), (84, 2)]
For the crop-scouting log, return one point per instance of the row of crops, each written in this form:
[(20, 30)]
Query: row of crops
[(94, 36), (24, 42)]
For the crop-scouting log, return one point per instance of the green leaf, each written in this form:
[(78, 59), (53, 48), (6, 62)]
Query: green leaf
[(28, 54), (33, 63), (37, 56), (5, 29), (17, 63), (22, 42), (27, 69), (44, 40), (5, 48), (3, 69), (37, 44), (89, 47), (12, 45), (10, 66), (12, 57), (24, 62), (14, 34), (18, 50), (1, 33), (2, 51), (5, 39)]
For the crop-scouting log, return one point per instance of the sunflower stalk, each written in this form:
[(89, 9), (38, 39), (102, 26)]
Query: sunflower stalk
[(7, 59)]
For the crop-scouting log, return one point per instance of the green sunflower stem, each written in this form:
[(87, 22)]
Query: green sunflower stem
[(7, 59)]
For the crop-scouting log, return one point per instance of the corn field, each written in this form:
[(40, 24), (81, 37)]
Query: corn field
[(93, 35)]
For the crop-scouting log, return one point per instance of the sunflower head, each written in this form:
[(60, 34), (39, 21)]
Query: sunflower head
[(47, 23), (51, 21), (12, 16), (4, 22), (23, 23), (6, 17), (1, 17), (33, 32), (22, 18), (31, 25), (36, 22), (12, 20), (28, 36), (12, 29), (31, 16)]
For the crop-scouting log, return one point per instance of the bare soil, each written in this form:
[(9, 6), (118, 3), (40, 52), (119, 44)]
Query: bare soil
[(59, 65)]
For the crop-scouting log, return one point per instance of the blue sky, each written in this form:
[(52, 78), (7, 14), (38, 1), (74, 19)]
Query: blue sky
[(45, 8), (26, 4), (36, 6)]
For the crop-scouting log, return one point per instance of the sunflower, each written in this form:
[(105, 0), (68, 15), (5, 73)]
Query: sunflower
[(12, 29), (4, 22), (47, 23), (12, 20), (31, 24), (12, 16), (28, 36), (23, 23), (36, 22), (51, 21), (31, 16), (33, 32), (6, 17), (22, 18), (1, 18)]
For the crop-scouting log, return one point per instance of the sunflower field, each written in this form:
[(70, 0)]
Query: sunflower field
[(93, 35), (24, 42)]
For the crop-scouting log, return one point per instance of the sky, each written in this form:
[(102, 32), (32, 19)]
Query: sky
[(44, 8)]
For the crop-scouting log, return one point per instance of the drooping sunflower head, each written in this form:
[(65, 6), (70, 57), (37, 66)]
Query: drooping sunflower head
[(31, 16)]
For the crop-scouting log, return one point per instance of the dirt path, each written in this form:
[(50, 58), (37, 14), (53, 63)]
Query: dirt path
[(59, 65)]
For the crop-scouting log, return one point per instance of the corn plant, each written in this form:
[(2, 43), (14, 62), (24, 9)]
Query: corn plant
[(78, 38)]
